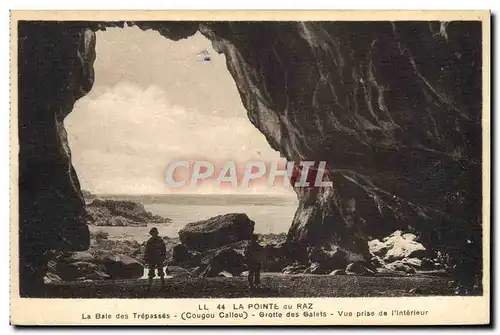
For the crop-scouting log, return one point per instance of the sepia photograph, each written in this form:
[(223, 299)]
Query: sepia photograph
[(263, 159)]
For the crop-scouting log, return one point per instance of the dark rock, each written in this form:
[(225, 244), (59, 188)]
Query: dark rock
[(79, 256), (329, 257), (358, 269), (177, 271), (413, 262), (120, 266), (427, 264), (377, 262), (86, 270), (400, 266), (275, 257), (181, 255), (124, 247), (217, 231), (95, 265), (222, 259), (120, 213), (79, 270)]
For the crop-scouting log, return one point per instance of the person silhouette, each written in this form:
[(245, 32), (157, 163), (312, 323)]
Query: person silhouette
[(154, 257), (253, 260)]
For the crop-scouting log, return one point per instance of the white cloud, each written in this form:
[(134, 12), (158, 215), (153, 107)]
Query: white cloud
[(154, 101), (123, 139)]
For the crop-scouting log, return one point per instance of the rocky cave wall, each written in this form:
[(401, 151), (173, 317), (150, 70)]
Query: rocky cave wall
[(393, 107)]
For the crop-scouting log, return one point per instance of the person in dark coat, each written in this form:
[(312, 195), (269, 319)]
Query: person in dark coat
[(154, 256), (253, 259)]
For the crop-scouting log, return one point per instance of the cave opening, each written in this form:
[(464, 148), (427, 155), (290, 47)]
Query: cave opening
[(58, 69), (156, 100)]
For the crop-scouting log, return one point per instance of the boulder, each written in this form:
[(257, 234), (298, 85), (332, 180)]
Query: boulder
[(177, 271), (409, 236), (89, 271), (358, 269), (226, 258), (78, 256), (400, 266), (378, 248), (337, 272), (427, 264), (397, 246), (217, 231), (222, 259), (69, 271), (120, 266), (377, 262), (413, 262), (328, 258), (76, 266), (124, 247), (275, 257), (405, 250), (181, 255)]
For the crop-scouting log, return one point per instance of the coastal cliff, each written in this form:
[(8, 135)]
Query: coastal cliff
[(120, 213)]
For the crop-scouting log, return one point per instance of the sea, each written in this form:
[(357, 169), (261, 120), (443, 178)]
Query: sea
[(271, 213)]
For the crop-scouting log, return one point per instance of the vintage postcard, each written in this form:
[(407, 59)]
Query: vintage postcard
[(250, 168)]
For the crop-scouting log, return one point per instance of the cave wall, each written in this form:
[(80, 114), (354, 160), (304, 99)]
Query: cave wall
[(55, 69), (393, 107)]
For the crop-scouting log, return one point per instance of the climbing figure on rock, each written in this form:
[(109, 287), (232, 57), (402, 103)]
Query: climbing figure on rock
[(253, 259), (154, 257)]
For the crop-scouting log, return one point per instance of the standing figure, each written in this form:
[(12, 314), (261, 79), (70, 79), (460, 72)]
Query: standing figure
[(155, 256), (253, 259)]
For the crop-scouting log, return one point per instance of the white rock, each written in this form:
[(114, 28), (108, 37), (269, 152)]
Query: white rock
[(414, 262), (337, 272)]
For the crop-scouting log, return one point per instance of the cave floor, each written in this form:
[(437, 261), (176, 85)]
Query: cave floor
[(273, 285)]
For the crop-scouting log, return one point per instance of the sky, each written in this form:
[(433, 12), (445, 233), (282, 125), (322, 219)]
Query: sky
[(155, 101)]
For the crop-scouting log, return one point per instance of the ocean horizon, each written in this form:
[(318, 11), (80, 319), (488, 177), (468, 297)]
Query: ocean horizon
[(271, 213), (254, 199)]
